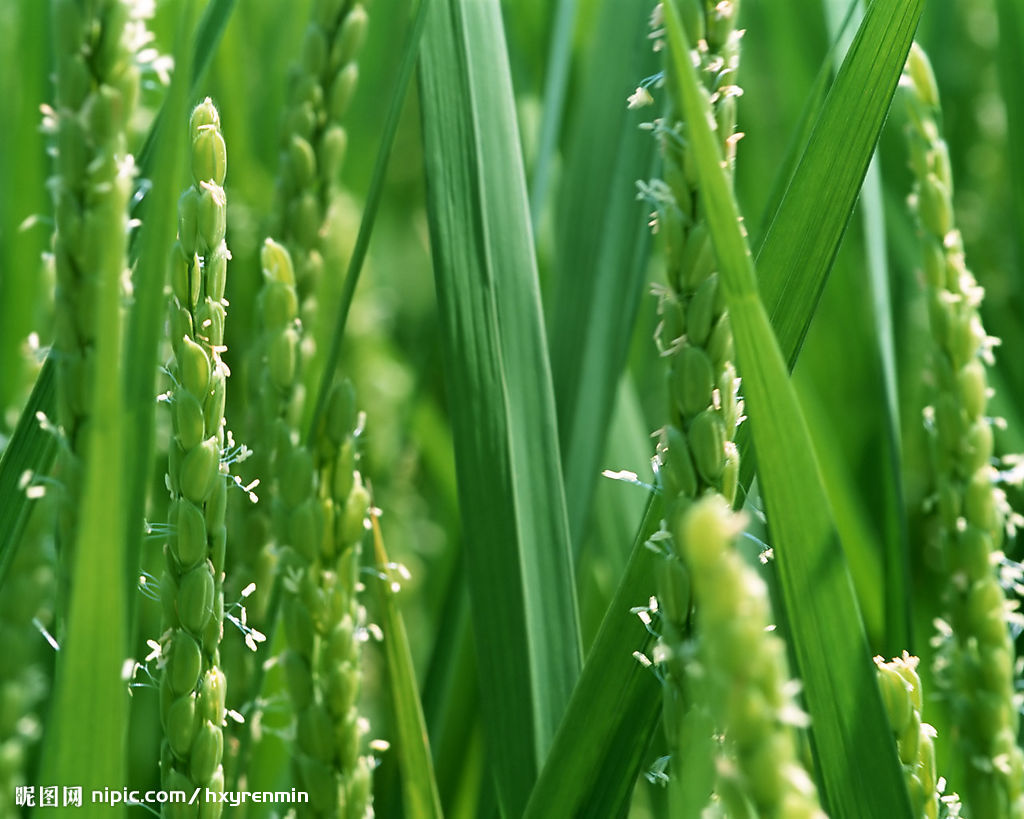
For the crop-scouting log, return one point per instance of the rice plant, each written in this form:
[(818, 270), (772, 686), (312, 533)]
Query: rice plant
[(624, 403)]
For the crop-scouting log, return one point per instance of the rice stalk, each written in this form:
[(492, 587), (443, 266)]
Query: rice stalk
[(696, 454), (97, 85), (192, 686), (314, 141), (275, 403), (324, 623), (280, 366), (309, 519), (740, 666), (856, 757), (318, 509), (975, 656), (262, 531), (915, 740)]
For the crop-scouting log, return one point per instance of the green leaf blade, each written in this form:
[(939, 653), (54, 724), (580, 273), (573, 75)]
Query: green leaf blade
[(419, 785), (836, 159), (601, 253), (860, 770), (145, 330), (499, 384), (599, 747)]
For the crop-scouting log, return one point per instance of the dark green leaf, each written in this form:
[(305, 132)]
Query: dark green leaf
[(860, 770), (145, 326), (599, 747), (500, 395), (418, 784), (601, 251)]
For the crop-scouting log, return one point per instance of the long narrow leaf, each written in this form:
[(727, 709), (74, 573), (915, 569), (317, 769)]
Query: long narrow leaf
[(93, 651), (836, 159), (601, 252), (145, 325), (500, 394), (29, 453), (599, 748), (835, 137), (451, 697), (806, 123), (898, 630), (419, 786), (555, 87), (802, 241), (373, 199), (859, 766)]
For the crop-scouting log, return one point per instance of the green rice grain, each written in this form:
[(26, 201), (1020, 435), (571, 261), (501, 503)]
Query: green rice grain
[(314, 141), (324, 622), (915, 740), (193, 687), (975, 658), (696, 455), (743, 672)]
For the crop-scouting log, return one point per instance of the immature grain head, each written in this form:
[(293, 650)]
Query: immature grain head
[(192, 687), (915, 740), (743, 670), (976, 657), (696, 455)]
